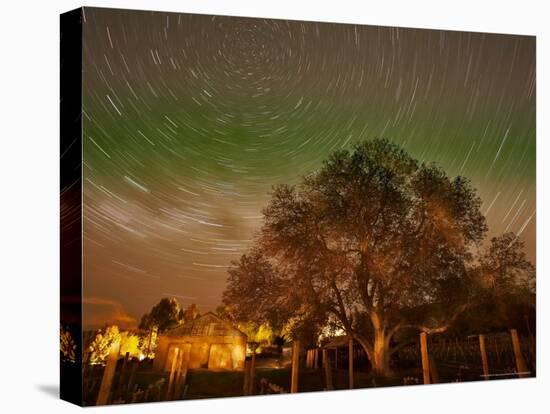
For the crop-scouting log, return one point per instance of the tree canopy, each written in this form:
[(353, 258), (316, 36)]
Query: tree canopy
[(164, 315), (373, 242)]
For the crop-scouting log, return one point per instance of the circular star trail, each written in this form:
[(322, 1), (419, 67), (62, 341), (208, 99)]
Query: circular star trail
[(189, 120)]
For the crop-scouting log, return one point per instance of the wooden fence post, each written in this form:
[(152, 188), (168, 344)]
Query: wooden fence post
[(295, 368), (328, 370), (131, 379), (434, 374), (521, 366), (425, 357), (316, 358), (484, 360), (172, 374), (308, 358), (108, 375), (350, 357), (252, 370), (122, 378), (246, 386), (86, 375)]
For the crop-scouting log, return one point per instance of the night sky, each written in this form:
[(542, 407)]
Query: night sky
[(189, 121)]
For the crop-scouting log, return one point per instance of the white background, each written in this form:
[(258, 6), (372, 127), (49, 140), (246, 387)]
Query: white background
[(29, 204)]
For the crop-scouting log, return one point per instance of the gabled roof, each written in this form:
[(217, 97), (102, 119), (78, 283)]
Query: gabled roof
[(208, 324)]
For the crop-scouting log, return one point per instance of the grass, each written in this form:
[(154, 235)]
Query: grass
[(209, 384)]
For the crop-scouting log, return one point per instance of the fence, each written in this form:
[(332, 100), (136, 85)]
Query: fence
[(476, 357), (117, 382), (430, 359)]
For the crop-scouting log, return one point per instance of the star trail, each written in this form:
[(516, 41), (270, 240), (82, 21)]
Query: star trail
[(189, 120)]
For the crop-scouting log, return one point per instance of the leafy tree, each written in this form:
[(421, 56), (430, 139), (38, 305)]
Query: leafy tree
[(148, 344), (129, 342), (262, 334), (100, 347), (505, 269), (374, 240), (226, 313), (164, 315), (256, 292), (67, 345), (507, 285)]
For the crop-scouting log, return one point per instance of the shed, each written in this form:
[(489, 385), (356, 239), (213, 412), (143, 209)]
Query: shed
[(339, 349), (205, 342)]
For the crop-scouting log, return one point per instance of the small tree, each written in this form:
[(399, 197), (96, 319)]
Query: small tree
[(67, 345), (147, 344), (505, 269), (261, 333), (100, 347), (508, 285), (129, 342), (164, 315)]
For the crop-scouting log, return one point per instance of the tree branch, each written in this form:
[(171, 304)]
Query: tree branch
[(439, 329)]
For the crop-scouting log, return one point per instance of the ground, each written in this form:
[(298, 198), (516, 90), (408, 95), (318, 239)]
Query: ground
[(209, 384), (204, 383)]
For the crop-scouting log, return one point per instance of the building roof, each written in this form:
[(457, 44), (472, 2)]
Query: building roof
[(208, 324), (337, 342)]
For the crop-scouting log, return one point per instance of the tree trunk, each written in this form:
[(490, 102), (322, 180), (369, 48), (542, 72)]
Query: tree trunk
[(379, 350), (381, 354)]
